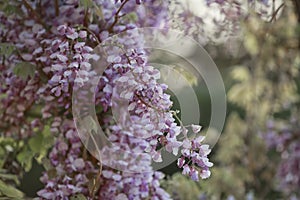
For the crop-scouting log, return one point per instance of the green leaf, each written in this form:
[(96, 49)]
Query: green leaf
[(25, 158), (2, 157), (251, 43), (132, 16), (10, 9), (2, 96), (46, 132), (41, 142), (182, 186), (36, 143), (98, 11), (6, 49), (86, 3), (240, 73), (47, 143), (7, 146), (12, 177), (78, 197), (10, 191), (4, 198), (24, 69), (46, 163)]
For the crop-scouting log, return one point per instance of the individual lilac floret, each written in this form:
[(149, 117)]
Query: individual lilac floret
[(194, 159)]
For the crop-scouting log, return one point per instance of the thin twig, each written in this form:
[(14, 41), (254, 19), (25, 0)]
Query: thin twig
[(117, 16), (100, 170), (90, 32), (86, 19), (276, 12), (56, 8), (148, 105), (96, 181), (297, 11), (35, 14)]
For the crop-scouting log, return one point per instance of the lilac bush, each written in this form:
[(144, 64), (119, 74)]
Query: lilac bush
[(52, 46), (283, 137)]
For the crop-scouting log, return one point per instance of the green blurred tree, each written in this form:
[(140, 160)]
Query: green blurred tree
[(263, 85)]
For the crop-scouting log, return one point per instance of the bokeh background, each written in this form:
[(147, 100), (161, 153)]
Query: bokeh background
[(257, 156)]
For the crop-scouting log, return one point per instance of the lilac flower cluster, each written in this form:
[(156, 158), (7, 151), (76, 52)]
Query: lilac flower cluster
[(217, 21), (144, 121), (69, 172), (149, 110), (18, 97), (194, 159), (54, 43), (19, 81), (285, 139), (216, 24), (125, 186), (152, 13), (76, 56)]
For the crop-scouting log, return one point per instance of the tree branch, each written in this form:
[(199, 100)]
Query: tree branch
[(56, 8), (110, 28), (34, 13), (297, 11), (276, 12)]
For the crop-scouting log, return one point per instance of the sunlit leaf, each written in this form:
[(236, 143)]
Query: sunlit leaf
[(78, 197), (40, 143), (10, 191), (251, 43), (240, 73), (36, 143), (182, 187), (10, 177), (86, 3), (98, 11)]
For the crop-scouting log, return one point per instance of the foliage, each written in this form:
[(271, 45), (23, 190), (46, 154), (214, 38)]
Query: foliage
[(46, 52), (181, 187)]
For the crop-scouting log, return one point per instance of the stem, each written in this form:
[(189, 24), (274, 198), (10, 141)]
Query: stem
[(90, 32), (97, 180), (297, 11), (117, 16), (56, 8), (180, 122), (276, 12), (148, 105), (86, 19), (297, 8), (34, 13)]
